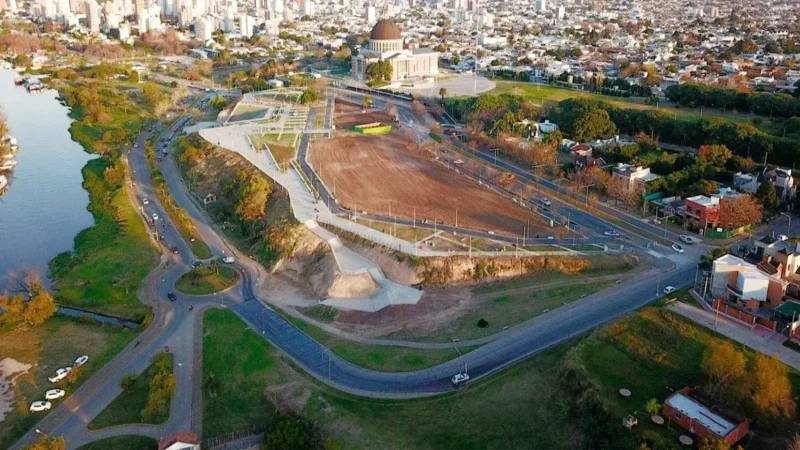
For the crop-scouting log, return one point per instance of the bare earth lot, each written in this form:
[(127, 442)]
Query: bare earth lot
[(387, 174), (348, 121)]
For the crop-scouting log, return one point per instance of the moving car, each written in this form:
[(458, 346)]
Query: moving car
[(228, 260), (155, 216), (145, 201), (686, 239), (677, 248), (53, 394), (60, 374), (197, 263), (174, 249), (81, 360), (171, 296), (669, 290), (783, 237), (545, 202), (460, 378), (41, 405), (611, 233)]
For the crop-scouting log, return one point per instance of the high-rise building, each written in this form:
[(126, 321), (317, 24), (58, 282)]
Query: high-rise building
[(561, 12), (370, 12), (541, 5), (93, 16), (308, 8)]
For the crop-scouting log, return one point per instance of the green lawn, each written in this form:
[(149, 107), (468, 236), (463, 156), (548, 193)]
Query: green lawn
[(122, 443), (233, 381), (379, 357), (48, 347), (541, 94), (127, 407), (111, 261), (206, 280), (247, 112), (282, 148)]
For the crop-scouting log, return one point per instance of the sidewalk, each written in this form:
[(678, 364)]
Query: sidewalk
[(766, 343)]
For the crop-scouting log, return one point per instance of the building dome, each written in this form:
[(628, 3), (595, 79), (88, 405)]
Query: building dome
[(385, 30)]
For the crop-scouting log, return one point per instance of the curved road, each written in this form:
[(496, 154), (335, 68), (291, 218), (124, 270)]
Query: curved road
[(175, 326)]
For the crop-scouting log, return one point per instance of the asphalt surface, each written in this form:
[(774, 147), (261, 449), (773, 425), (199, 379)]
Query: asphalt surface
[(174, 326)]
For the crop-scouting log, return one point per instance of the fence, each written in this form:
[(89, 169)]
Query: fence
[(241, 439)]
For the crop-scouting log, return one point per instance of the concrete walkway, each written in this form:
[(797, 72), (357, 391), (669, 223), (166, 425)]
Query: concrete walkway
[(764, 343), (307, 210)]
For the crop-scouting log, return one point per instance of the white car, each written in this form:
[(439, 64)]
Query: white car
[(53, 394), (39, 406), (460, 378), (783, 237), (669, 290), (228, 260), (686, 239), (155, 216), (60, 374), (145, 201), (81, 360), (677, 248), (545, 202), (611, 233)]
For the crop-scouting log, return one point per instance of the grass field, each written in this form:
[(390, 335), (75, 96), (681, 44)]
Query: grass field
[(247, 112), (540, 94), (206, 280), (379, 357), (404, 232), (283, 148), (235, 399), (127, 407), (111, 260), (123, 443), (55, 344)]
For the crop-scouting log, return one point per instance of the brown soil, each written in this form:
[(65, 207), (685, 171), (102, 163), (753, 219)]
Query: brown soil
[(348, 121), (343, 106), (388, 175)]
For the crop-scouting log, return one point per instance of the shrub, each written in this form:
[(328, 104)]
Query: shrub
[(126, 382), (483, 323)]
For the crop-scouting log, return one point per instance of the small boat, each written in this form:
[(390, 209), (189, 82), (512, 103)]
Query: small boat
[(8, 165), (3, 182), (18, 80), (34, 84)]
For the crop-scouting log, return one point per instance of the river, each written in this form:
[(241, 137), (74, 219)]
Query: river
[(44, 206)]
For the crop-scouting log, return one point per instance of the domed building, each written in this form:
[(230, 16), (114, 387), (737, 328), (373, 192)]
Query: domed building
[(386, 44)]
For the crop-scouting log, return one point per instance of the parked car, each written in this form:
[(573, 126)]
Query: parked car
[(783, 237), (41, 405), (460, 378), (145, 201), (677, 248), (611, 233), (60, 374), (686, 239), (174, 249), (155, 216), (669, 290), (81, 360), (197, 263), (53, 394), (228, 260), (171, 296)]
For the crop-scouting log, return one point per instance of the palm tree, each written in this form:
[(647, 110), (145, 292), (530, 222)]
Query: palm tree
[(443, 93)]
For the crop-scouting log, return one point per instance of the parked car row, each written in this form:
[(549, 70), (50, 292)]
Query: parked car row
[(54, 394)]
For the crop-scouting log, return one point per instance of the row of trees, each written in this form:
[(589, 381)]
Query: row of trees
[(767, 104), (379, 71)]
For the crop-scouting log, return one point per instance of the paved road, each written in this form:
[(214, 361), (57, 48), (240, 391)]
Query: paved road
[(175, 326)]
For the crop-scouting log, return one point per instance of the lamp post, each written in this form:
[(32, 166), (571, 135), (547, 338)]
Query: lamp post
[(789, 228)]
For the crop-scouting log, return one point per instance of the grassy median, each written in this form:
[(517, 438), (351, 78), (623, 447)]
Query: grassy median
[(207, 280)]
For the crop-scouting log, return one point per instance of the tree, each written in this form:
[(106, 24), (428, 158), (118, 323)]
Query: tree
[(716, 155), (739, 211), (768, 388), (12, 307), (309, 96), (418, 109), (152, 94), (596, 124), (39, 308), (133, 76), (218, 103), (723, 365), (442, 93), (366, 103), (290, 432), (126, 382), (46, 442), (554, 138), (252, 199), (652, 407), (767, 195), (709, 443)]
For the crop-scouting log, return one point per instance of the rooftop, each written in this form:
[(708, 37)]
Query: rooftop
[(701, 414), (385, 30)]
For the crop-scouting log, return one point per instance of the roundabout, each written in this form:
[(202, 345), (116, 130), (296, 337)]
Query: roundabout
[(206, 280)]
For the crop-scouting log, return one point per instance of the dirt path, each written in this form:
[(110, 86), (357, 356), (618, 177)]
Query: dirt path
[(10, 369)]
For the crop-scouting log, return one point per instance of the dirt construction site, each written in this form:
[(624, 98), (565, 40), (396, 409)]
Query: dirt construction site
[(389, 175)]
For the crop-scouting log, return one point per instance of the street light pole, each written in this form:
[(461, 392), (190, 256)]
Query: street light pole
[(789, 228)]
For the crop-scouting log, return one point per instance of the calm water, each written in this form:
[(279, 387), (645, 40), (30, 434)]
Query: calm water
[(44, 206)]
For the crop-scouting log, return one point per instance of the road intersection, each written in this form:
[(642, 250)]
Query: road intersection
[(176, 327)]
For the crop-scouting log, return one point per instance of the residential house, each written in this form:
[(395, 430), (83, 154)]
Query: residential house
[(700, 420), (702, 211), (744, 286), (746, 182), (636, 176), (784, 183), (180, 440), (779, 258)]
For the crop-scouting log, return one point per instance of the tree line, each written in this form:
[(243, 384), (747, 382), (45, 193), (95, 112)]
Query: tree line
[(765, 104)]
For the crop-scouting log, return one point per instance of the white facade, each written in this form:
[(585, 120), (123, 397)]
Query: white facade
[(246, 25), (370, 12), (203, 28), (541, 5), (93, 16)]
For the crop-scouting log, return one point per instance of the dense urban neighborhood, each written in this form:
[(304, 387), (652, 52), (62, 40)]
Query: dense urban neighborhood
[(305, 224)]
